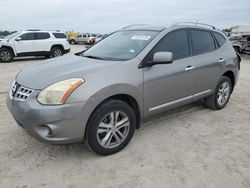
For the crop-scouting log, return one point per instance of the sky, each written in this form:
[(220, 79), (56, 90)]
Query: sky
[(102, 16)]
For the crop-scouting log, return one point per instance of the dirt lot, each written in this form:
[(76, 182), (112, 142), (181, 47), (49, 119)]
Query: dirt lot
[(189, 147)]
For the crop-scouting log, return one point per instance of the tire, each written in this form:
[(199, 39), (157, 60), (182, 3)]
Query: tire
[(72, 42), (56, 52), (6, 55), (221, 95), (103, 135)]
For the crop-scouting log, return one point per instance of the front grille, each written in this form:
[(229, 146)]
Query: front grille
[(19, 92)]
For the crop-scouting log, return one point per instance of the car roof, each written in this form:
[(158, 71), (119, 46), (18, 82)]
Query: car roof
[(37, 30), (175, 25), (144, 27)]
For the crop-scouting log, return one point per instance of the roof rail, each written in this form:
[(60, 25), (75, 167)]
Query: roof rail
[(33, 30), (132, 25), (195, 23), (42, 30)]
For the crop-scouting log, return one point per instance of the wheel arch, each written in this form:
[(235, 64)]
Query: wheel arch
[(131, 101), (10, 48), (57, 45), (230, 75)]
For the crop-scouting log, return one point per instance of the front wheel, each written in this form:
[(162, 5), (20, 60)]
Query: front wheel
[(110, 127), (221, 95), (6, 55)]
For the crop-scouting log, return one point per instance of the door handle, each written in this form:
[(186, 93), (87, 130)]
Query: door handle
[(189, 68), (221, 60)]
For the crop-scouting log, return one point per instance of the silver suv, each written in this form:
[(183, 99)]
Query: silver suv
[(101, 95)]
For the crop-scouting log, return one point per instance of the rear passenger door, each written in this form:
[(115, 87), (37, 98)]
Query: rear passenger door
[(169, 85), (206, 67), (43, 42)]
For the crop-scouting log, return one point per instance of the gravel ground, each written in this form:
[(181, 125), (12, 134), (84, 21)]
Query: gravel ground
[(189, 147)]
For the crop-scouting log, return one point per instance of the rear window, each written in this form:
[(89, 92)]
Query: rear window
[(60, 35), (42, 36), (202, 42), (220, 39)]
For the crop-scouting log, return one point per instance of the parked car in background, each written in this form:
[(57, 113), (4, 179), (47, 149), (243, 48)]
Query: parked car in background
[(240, 38), (100, 37), (101, 96), (240, 42), (33, 43), (84, 38)]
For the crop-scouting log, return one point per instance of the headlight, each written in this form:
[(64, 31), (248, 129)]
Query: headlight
[(59, 92)]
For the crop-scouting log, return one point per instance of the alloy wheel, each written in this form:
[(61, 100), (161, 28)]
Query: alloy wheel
[(113, 129), (57, 53), (223, 93), (5, 56)]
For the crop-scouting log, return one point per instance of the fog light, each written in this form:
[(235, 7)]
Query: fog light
[(44, 131)]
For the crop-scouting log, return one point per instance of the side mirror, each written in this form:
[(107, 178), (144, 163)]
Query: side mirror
[(160, 58), (163, 58), (18, 39)]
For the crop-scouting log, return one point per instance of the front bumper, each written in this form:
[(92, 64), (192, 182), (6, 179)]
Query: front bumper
[(58, 124)]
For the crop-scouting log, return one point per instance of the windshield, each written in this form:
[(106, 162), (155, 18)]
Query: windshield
[(12, 35), (121, 45)]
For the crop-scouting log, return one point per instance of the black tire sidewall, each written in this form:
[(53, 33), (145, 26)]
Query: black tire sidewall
[(222, 80), (100, 112)]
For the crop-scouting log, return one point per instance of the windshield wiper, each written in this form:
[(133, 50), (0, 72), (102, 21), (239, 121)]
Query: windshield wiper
[(92, 57)]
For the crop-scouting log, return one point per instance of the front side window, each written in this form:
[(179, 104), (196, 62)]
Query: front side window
[(175, 42), (28, 36), (202, 42), (42, 36), (121, 45)]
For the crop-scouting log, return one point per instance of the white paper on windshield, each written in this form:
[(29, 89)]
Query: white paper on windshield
[(140, 37)]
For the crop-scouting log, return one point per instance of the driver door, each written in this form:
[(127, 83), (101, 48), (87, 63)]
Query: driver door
[(169, 85), (26, 44)]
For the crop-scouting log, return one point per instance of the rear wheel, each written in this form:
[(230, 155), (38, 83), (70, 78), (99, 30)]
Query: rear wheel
[(221, 95), (72, 42), (6, 55), (56, 52), (110, 127)]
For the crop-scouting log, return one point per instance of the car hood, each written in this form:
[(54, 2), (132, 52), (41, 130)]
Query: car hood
[(41, 75)]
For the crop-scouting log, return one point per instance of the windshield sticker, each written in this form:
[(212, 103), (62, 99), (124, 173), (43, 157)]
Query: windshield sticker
[(131, 50), (141, 37)]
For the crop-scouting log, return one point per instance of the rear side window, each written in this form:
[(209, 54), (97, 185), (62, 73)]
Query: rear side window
[(220, 39), (175, 42), (28, 36), (202, 42), (42, 36), (60, 35)]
